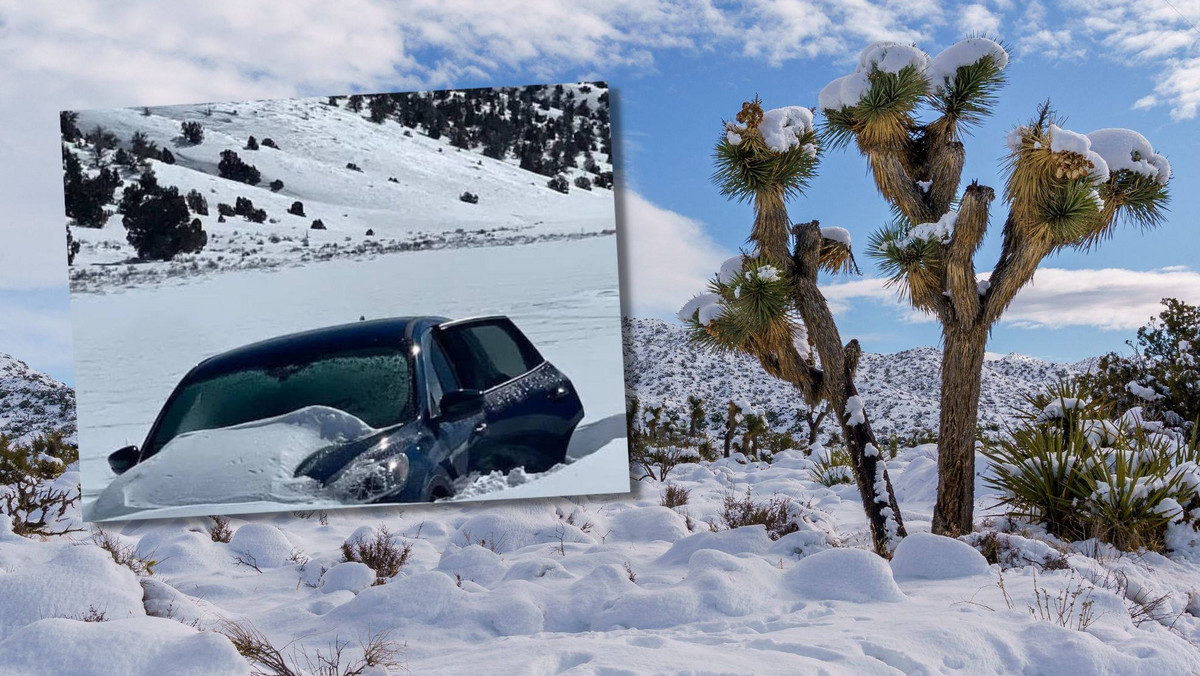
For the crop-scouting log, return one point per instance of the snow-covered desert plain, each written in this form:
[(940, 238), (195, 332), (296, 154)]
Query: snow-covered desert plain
[(611, 585), (544, 258)]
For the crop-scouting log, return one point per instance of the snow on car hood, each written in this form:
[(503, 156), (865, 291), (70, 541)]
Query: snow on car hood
[(251, 462)]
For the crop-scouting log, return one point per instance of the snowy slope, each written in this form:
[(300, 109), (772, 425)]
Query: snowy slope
[(32, 403), (316, 141), (901, 389)]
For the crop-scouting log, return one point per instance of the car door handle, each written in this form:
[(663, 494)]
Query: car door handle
[(558, 393)]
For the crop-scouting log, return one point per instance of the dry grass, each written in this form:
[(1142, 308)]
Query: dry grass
[(674, 496), (378, 650), (774, 513), (125, 555), (220, 531)]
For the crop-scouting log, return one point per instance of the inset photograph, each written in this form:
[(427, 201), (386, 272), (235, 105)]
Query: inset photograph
[(345, 300)]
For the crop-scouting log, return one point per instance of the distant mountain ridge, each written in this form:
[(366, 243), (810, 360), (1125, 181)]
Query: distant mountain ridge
[(901, 389), (33, 403)]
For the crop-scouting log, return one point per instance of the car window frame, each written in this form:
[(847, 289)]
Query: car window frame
[(511, 329)]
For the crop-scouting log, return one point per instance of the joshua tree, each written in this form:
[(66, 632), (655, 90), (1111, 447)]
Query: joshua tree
[(1062, 189), (695, 414), (766, 303)]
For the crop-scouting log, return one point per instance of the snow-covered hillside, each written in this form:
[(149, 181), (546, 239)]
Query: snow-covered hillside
[(901, 388), (352, 174), (32, 402)]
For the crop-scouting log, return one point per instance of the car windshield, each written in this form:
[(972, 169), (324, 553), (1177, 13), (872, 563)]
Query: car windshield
[(374, 384)]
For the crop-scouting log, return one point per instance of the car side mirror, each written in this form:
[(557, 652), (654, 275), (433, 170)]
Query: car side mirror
[(122, 459), (461, 403)]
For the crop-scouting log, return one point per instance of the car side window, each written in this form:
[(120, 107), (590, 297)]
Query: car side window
[(488, 353)]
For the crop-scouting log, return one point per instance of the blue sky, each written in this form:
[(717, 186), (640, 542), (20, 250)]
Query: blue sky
[(678, 68)]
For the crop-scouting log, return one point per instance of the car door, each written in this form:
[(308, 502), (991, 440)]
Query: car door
[(455, 434), (530, 406)]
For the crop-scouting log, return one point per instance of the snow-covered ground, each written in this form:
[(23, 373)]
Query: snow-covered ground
[(618, 585), (133, 345)]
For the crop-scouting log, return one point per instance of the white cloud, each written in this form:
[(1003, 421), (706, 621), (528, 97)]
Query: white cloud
[(1109, 299), (1154, 32), (1112, 299), (666, 258), (978, 19)]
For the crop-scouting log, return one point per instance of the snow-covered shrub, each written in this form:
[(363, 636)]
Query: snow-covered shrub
[(251, 144), (775, 513), (167, 157), (192, 132), (1163, 374), (72, 247), (197, 203), (30, 497), (276, 185), (233, 168), (317, 224), (297, 208), (469, 198), (1082, 475), (269, 143), (560, 184), (225, 210), (353, 167), (604, 180), (583, 183), (379, 549), (370, 232)]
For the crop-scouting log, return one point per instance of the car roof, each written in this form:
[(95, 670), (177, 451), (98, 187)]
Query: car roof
[(281, 349)]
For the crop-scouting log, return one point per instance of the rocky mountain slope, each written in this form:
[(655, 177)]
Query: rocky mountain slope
[(32, 402), (901, 389)]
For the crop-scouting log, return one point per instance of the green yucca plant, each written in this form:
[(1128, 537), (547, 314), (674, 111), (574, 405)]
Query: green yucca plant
[(1083, 476), (833, 468)]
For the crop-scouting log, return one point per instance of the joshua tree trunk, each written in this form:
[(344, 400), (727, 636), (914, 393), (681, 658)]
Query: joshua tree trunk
[(814, 423), (838, 365), (962, 362)]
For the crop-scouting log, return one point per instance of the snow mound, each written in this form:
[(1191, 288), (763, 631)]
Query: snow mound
[(473, 562), (943, 67), (519, 526), (251, 462), (1127, 149), (836, 234), (347, 576), (263, 545), (729, 269), (781, 128), (893, 57), (744, 540), (926, 556), (141, 645), (704, 303), (73, 582), (647, 524), (839, 574)]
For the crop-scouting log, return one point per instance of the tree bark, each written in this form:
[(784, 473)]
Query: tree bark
[(962, 364), (870, 472)]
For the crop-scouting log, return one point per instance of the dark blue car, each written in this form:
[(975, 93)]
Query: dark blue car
[(447, 398)]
